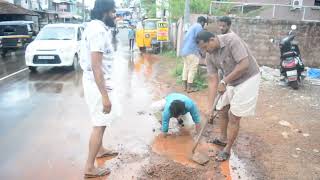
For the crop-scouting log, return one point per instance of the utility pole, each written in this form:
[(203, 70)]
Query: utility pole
[(162, 18), (83, 11), (186, 19), (140, 10)]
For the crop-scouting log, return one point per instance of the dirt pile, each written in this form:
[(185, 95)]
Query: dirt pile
[(162, 168)]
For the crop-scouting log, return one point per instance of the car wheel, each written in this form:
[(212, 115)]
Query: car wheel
[(3, 53), (294, 85), (142, 49), (32, 69), (75, 64)]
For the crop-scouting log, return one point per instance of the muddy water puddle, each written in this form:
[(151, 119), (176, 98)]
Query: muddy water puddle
[(176, 147)]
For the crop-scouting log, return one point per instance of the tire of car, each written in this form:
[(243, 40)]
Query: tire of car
[(142, 49), (75, 64), (32, 69), (3, 53), (294, 85)]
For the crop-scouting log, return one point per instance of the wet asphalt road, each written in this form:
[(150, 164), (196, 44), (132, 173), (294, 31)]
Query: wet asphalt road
[(45, 124), (13, 62)]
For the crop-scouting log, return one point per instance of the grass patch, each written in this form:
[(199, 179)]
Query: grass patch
[(200, 80), (169, 54)]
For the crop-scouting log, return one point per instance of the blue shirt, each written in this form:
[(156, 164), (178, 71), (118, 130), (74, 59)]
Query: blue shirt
[(131, 34), (189, 42), (190, 107)]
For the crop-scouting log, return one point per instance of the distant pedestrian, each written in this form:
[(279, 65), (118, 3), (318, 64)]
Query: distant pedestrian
[(190, 54), (96, 61), (131, 37)]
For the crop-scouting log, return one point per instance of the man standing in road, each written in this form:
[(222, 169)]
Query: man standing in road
[(239, 86), (190, 54), (96, 62), (131, 37), (224, 24)]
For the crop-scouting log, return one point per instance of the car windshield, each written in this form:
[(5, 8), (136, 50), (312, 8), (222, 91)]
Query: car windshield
[(150, 25), (7, 30), (57, 33)]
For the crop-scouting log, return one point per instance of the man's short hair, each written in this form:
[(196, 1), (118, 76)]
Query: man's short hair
[(101, 7), (177, 108), (202, 19), (204, 36), (225, 19)]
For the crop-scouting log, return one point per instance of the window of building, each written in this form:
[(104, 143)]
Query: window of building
[(317, 2)]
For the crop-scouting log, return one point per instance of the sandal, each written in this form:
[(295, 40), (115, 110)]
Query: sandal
[(101, 172), (218, 142), (108, 154), (223, 156)]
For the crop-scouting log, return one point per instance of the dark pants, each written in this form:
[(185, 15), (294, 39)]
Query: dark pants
[(131, 43)]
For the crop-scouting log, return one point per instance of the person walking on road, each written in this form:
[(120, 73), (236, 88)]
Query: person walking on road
[(239, 86), (96, 61), (176, 105), (190, 54), (131, 37)]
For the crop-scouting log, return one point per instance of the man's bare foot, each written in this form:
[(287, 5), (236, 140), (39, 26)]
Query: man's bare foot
[(96, 172)]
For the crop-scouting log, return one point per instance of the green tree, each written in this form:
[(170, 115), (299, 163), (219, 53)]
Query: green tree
[(149, 7), (200, 6), (176, 8)]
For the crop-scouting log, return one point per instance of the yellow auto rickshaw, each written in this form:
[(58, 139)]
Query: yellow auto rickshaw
[(146, 35)]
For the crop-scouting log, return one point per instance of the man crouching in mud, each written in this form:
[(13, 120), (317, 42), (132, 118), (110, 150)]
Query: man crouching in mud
[(177, 106), (239, 86)]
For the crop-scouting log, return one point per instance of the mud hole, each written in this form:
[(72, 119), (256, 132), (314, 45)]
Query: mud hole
[(260, 151), (162, 168)]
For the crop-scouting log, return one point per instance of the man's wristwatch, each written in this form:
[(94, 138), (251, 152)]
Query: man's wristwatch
[(223, 82)]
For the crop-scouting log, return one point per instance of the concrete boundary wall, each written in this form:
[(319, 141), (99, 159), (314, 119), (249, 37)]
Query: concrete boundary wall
[(258, 34)]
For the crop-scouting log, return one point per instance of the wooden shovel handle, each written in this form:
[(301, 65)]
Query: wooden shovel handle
[(206, 122)]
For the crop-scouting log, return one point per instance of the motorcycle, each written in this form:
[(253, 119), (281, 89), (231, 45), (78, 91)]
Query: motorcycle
[(291, 66)]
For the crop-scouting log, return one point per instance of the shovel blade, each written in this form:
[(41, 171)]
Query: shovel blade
[(200, 158)]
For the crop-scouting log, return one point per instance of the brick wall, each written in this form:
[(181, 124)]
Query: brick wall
[(258, 33)]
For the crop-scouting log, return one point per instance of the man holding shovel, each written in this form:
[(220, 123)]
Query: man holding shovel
[(239, 86)]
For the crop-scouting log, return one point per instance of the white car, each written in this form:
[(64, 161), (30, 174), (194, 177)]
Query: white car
[(55, 45)]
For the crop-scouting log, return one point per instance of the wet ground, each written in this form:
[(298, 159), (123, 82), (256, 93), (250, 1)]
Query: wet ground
[(45, 124), (280, 142), (45, 128), (12, 63)]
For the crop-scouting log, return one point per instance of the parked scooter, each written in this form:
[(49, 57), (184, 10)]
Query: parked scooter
[(291, 66)]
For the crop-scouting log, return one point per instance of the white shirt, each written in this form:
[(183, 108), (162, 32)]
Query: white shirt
[(96, 38)]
